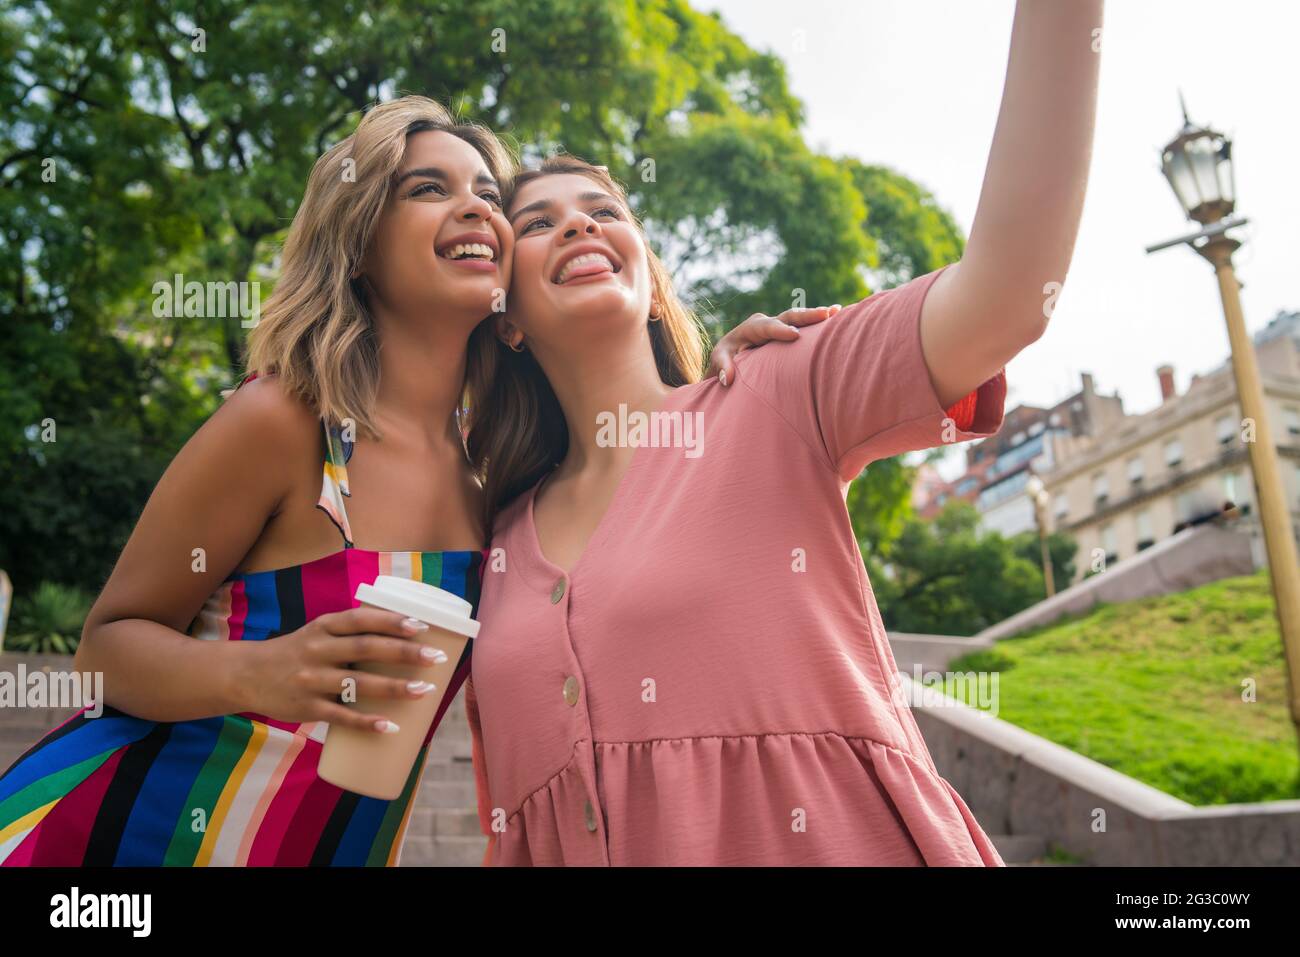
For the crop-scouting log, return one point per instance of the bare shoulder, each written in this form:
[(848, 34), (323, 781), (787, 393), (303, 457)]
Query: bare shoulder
[(263, 414), (257, 446)]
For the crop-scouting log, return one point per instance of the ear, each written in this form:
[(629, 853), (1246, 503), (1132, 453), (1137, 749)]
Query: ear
[(505, 330)]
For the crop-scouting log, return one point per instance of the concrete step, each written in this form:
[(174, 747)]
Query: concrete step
[(459, 795), (27, 721), (443, 851), (449, 749), (427, 821), (1019, 848), (1026, 850), (448, 771)]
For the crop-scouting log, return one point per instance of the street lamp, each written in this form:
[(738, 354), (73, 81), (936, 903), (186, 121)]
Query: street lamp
[(1198, 165), (1039, 496)]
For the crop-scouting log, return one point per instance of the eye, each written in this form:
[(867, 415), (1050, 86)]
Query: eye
[(492, 197), (609, 210), (425, 188), (537, 221)]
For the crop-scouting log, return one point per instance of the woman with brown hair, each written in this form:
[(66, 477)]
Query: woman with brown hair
[(682, 661), (267, 520)]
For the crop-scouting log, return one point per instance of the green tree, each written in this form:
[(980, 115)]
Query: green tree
[(138, 140), (947, 577), (1060, 546)]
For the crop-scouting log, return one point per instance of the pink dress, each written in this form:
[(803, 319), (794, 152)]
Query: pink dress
[(712, 684)]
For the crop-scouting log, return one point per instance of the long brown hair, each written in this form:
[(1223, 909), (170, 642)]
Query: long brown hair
[(516, 428), (316, 329)]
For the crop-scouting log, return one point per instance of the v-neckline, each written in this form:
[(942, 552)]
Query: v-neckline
[(602, 525)]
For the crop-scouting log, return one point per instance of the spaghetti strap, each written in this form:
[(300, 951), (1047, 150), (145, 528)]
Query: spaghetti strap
[(334, 483)]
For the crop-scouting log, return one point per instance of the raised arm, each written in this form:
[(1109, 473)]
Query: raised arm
[(984, 309)]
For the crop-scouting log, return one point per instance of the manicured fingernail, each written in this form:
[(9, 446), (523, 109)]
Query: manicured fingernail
[(433, 654), (722, 376), (386, 726), (420, 687), (414, 625)]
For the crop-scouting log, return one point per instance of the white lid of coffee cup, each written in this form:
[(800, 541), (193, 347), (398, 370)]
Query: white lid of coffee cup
[(428, 603)]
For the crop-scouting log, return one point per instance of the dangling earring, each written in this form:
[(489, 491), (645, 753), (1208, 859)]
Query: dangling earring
[(519, 346)]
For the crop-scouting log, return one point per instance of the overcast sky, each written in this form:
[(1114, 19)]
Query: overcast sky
[(916, 84)]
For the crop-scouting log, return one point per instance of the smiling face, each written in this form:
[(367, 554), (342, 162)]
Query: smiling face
[(442, 242), (580, 265)]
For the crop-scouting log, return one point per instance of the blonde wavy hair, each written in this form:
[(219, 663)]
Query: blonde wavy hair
[(316, 330), (516, 430)]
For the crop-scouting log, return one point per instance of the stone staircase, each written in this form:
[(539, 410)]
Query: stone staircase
[(1025, 850), (444, 828)]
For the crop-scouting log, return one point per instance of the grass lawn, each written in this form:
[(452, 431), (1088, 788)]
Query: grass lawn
[(1159, 689)]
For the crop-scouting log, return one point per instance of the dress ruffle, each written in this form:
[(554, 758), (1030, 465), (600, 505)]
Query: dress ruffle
[(804, 799)]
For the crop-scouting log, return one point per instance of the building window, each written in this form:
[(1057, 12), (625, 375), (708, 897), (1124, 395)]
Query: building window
[(1145, 537), (1292, 419), (1135, 471), (1035, 429), (1054, 419), (1185, 504), (1108, 543), (1173, 453), (1100, 489), (1062, 507), (1226, 428), (1230, 486)]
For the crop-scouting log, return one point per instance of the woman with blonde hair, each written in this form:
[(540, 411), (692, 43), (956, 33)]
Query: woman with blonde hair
[(268, 519)]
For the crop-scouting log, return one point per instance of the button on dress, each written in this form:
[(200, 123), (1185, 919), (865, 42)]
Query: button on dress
[(712, 683)]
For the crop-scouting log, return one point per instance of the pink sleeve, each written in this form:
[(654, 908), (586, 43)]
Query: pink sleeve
[(856, 387), (480, 768)]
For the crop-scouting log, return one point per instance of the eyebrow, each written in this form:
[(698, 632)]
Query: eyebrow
[(547, 204), (433, 172)]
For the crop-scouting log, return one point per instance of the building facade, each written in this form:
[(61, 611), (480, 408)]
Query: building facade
[(1119, 483), (1125, 489)]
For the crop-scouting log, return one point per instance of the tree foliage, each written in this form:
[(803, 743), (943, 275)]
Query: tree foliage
[(947, 577), (141, 140)]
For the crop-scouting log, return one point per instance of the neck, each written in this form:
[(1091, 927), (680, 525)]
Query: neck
[(598, 381), (421, 374)]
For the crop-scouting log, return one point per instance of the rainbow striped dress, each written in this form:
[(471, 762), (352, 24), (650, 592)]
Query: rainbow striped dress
[(241, 789)]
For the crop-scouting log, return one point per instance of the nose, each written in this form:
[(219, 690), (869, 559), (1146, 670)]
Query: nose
[(578, 224), (475, 209)]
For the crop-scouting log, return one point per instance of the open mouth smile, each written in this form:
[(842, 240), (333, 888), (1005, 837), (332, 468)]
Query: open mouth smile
[(585, 264)]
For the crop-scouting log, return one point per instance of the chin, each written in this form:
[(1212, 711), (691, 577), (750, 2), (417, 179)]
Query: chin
[(596, 302)]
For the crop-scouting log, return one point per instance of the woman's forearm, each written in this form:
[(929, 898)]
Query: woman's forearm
[(159, 674), (1031, 201)]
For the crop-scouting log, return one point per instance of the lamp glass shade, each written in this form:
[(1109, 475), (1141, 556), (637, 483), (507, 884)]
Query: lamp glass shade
[(1198, 165)]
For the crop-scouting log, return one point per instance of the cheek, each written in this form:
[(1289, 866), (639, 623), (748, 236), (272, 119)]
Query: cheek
[(628, 245), (405, 240), (528, 272)]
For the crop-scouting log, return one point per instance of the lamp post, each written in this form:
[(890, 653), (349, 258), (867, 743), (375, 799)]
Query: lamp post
[(1039, 496), (1198, 165)]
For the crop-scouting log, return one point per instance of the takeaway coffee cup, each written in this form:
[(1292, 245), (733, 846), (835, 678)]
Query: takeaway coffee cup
[(375, 763)]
